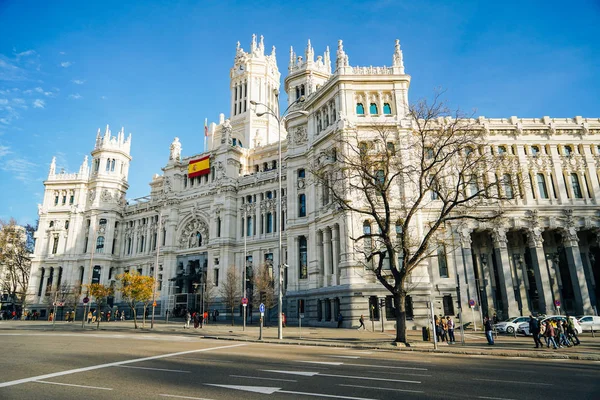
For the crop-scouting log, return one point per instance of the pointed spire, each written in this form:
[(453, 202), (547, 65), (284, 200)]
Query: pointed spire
[(273, 51), (327, 59), (83, 169), (292, 58), (398, 60), (342, 58), (52, 170), (253, 43), (261, 45), (309, 53)]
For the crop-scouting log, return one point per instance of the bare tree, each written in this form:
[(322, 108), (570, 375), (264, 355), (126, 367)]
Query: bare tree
[(15, 262), (208, 293), (264, 286), (409, 185), (231, 290)]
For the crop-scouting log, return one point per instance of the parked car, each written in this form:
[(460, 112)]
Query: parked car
[(588, 322), (510, 325), (524, 327)]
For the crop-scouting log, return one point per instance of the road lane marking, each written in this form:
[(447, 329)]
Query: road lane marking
[(271, 390), (154, 369), (113, 364), (266, 379), (310, 373), (183, 397), (68, 384), (399, 373), (524, 383), (385, 366), (493, 398), (380, 388), (322, 362), (354, 357)]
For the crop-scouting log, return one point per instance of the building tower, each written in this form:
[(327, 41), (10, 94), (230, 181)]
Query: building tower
[(254, 76), (305, 74)]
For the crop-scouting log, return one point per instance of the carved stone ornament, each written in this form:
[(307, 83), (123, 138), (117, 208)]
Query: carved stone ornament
[(167, 185), (226, 132), (187, 239), (106, 196), (499, 238), (465, 237), (92, 195), (175, 150), (300, 135), (534, 237)]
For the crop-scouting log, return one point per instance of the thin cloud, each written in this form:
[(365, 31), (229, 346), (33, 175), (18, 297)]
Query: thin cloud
[(78, 81), (62, 53), (19, 168), (75, 96), (26, 53), (66, 64), (39, 103), (4, 150), (9, 71)]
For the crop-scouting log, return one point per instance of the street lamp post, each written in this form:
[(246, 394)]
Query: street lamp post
[(245, 306), (279, 118), (158, 232), (90, 273)]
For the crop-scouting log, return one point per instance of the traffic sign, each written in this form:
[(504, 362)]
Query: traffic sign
[(261, 308), (471, 303), (244, 300), (86, 300), (557, 303)]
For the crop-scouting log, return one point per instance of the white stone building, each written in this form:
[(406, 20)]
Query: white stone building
[(545, 252)]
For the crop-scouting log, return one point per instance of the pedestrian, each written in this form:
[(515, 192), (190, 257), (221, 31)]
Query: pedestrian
[(200, 319), (122, 315), (571, 332), (89, 316), (438, 329), (196, 320), (549, 334), (534, 328), (340, 319), (215, 314), (205, 317), (283, 320), (560, 334), (361, 321), (188, 318), (487, 323), (444, 329), (450, 324)]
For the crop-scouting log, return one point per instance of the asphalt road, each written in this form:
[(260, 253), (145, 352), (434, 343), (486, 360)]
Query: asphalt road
[(105, 365)]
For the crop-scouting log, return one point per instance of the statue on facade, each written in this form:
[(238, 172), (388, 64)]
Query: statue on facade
[(175, 150)]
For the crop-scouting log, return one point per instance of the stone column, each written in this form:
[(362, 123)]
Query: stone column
[(503, 264), (521, 275), (335, 252), (327, 257), (468, 269), (576, 271), (540, 269), (320, 259)]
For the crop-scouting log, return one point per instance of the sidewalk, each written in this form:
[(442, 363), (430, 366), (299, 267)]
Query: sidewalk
[(475, 343)]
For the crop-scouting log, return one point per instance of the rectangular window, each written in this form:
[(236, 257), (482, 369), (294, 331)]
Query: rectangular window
[(302, 205), (448, 305), (269, 222), (55, 245), (216, 277), (71, 199), (96, 274), (302, 257), (442, 262)]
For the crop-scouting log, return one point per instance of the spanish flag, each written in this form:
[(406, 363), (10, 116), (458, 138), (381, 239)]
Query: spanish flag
[(199, 167)]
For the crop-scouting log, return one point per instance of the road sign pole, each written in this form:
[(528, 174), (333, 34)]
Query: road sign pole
[(300, 325), (261, 308)]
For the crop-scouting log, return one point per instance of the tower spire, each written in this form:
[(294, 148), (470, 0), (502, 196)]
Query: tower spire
[(309, 53), (52, 170), (398, 61), (342, 58)]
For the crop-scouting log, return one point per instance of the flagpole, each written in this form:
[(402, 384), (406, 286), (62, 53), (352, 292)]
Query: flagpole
[(205, 133)]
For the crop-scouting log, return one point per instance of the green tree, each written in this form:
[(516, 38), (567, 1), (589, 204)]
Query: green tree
[(410, 183), (136, 289), (100, 293), (15, 260)]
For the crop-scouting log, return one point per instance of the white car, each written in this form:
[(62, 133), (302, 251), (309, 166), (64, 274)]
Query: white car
[(524, 327), (510, 325), (588, 322)]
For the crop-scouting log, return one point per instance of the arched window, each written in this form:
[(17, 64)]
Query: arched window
[(366, 228), (302, 205), (100, 244), (568, 150), (576, 187), (535, 150), (107, 164), (102, 221), (507, 186), (363, 147), (303, 257), (112, 165), (373, 109), (51, 224), (541, 181), (501, 150), (360, 109), (387, 110), (380, 177), (473, 188), (66, 224), (198, 239)]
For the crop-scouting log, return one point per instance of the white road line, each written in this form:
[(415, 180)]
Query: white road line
[(68, 384), (400, 373), (324, 395), (113, 364), (154, 369), (322, 362), (493, 398), (385, 366), (368, 378), (380, 388), (354, 357), (266, 379), (521, 382), (183, 397)]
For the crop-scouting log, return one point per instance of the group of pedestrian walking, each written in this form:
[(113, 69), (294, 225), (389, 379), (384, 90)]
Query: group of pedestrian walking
[(444, 329), (556, 332)]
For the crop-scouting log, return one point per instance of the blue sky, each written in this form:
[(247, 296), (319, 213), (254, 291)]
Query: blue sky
[(159, 68)]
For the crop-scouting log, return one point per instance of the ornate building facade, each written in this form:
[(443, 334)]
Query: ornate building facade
[(542, 255)]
